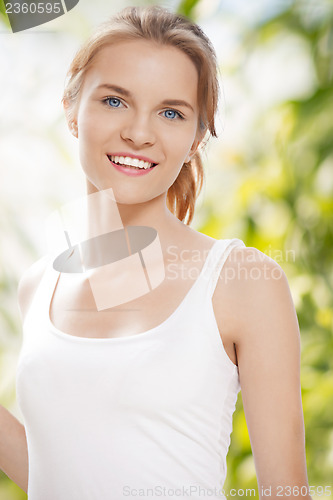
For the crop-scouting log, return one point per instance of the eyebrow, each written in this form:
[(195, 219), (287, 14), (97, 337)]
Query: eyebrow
[(127, 93)]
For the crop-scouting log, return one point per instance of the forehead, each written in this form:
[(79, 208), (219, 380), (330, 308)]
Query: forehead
[(143, 65)]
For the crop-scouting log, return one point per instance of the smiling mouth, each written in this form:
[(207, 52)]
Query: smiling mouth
[(143, 165)]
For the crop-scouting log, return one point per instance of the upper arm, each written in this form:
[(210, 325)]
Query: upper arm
[(28, 284), (267, 340)]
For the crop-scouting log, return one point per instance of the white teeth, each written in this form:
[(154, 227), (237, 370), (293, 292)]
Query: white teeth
[(132, 162)]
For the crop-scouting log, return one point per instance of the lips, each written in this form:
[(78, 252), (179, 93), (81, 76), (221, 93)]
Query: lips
[(131, 171), (113, 158)]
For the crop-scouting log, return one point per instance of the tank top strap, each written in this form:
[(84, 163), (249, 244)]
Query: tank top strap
[(215, 262)]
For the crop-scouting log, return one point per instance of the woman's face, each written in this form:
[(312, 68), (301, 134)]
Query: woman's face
[(125, 107)]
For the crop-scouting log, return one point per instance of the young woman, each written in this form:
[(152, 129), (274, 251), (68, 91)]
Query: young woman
[(137, 399)]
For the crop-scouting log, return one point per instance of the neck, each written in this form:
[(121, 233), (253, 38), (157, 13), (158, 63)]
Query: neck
[(105, 215)]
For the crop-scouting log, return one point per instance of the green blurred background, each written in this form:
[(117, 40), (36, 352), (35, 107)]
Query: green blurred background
[(269, 176)]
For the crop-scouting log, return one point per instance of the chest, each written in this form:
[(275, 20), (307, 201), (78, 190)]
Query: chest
[(72, 308)]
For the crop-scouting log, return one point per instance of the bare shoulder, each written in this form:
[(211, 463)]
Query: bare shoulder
[(251, 265), (247, 267), (250, 284), (28, 284)]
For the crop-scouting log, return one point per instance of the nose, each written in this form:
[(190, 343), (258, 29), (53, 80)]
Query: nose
[(138, 130)]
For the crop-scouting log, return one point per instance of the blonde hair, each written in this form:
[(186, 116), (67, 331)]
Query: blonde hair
[(157, 24)]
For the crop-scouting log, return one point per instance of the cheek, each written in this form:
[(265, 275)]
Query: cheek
[(88, 126), (92, 139), (91, 123), (179, 140)]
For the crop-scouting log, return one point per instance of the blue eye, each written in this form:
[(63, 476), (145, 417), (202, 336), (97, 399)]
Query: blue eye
[(175, 113), (112, 99)]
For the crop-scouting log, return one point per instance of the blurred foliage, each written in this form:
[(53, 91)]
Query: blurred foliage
[(9, 490), (282, 204), (287, 174), (3, 16)]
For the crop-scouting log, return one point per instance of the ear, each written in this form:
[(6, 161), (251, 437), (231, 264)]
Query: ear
[(71, 120)]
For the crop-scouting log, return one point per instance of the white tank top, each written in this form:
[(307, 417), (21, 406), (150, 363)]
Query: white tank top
[(147, 415)]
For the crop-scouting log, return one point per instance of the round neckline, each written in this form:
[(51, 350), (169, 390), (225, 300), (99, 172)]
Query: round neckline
[(76, 338)]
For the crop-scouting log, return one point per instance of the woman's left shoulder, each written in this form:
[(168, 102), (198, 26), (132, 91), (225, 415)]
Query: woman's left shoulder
[(256, 291), (251, 266)]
